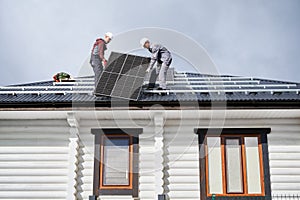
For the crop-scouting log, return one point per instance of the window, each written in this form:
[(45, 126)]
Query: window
[(234, 163), (116, 162)]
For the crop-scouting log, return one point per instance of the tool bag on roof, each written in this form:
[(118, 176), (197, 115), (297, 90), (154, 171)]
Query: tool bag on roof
[(61, 76)]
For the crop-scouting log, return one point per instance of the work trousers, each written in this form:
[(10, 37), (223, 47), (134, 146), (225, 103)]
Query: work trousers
[(161, 72), (97, 66)]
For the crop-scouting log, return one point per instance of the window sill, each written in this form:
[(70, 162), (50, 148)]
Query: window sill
[(239, 198)]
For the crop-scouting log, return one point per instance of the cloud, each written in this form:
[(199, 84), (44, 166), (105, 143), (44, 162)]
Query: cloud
[(249, 38)]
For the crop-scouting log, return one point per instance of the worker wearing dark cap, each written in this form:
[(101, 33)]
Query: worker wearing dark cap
[(98, 60), (162, 56)]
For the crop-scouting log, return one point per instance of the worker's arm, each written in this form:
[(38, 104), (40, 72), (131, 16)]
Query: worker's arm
[(155, 51)]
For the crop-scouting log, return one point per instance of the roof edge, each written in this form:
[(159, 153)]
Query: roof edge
[(145, 105)]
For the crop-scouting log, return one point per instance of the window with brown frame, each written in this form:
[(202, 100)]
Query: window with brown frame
[(234, 163), (116, 162)]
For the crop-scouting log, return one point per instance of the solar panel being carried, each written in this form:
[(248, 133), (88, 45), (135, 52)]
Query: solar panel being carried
[(123, 77)]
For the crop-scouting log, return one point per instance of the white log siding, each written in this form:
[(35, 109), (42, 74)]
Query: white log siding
[(182, 162), (34, 159), (284, 155), (34, 154), (147, 164), (85, 162)]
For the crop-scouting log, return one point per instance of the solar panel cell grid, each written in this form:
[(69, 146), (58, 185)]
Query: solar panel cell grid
[(127, 66), (114, 62), (123, 77)]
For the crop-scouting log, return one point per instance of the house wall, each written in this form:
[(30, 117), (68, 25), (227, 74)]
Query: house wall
[(284, 155), (283, 145), (182, 161), (33, 159), (146, 158), (35, 163)]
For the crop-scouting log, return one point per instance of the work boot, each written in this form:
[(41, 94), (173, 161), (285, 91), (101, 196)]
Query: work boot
[(162, 93), (150, 86)]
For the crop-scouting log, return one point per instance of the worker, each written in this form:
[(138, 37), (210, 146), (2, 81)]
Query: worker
[(98, 60), (162, 56)]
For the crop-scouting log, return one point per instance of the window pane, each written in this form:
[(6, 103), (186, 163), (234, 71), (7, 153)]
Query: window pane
[(252, 165), (116, 161), (214, 165), (233, 166)]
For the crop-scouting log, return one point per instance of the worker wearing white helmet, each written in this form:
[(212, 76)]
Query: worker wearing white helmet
[(98, 60), (162, 56)]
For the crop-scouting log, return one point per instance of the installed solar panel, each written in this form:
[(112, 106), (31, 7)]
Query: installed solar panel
[(123, 77)]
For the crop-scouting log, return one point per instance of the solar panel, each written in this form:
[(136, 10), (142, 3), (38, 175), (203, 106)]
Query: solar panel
[(123, 77)]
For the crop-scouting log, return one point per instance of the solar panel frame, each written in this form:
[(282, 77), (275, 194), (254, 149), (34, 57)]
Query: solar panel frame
[(123, 77)]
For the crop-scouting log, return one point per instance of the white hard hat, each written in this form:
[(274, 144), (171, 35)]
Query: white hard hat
[(143, 41), (109, 34)]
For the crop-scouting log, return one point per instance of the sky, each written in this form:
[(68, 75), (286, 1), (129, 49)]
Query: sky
[(257, 38)]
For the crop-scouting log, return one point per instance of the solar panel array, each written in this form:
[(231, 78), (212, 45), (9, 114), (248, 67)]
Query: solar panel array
[(123, 77), (184, 84)]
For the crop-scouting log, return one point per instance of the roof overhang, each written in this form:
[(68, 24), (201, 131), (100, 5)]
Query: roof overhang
[(173, 105)]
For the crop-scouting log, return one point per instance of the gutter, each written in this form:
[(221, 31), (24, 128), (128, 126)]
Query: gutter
[(168, 105)]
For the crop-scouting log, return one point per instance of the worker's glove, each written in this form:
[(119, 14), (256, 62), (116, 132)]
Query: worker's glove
[(104, 63), (148, 70)]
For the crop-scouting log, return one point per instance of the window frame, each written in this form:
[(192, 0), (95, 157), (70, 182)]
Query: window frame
[(241, 133), (224, 168), (98, 187), (130, 145)]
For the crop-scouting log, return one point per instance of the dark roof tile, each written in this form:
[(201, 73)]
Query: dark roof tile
[(238, 89)]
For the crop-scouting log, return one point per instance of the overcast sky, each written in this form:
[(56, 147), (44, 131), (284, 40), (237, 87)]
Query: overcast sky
[(258, 38)]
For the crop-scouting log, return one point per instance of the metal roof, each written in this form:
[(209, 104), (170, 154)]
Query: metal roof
[(184, 87)]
